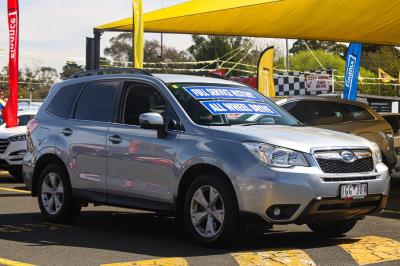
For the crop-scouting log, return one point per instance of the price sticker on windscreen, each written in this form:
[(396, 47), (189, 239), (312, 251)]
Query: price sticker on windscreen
[(239, 107), (207, 92)]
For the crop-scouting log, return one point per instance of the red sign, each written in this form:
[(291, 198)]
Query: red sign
[(11, 109)]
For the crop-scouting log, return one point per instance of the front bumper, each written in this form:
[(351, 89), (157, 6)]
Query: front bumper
[(308, 193), (13, 155)]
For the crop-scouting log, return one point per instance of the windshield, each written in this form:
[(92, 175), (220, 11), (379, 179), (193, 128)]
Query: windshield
[(226, 105)]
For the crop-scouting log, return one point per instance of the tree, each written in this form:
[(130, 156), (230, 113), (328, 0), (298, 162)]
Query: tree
[(380, 56), (121, 51), (233, 49), (69, 69), (32, 82), (332, 47)]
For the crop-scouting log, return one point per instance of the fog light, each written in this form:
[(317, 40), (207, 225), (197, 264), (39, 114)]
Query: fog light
[(282, 211), (277, 211)]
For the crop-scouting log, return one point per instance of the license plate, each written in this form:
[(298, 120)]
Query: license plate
[(354, 191)]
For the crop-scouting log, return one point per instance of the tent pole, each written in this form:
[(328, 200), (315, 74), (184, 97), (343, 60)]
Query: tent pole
[(162, 38), (287, 64), (96, 49)]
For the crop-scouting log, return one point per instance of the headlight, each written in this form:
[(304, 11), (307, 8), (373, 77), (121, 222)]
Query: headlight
[(18, 138), (376, 151), (276, 156)]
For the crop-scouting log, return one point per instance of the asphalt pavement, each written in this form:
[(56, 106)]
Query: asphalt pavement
[(114, 236)]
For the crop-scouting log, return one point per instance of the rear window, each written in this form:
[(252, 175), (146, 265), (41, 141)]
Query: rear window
[(394, 121), (62, 103), (97, 101)]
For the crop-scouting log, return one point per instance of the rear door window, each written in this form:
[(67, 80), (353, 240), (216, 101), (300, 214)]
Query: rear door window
[(354, 113), (327, 113), (97, 101), (63, 101)]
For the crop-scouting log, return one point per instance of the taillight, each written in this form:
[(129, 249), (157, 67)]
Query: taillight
[(32, 125)]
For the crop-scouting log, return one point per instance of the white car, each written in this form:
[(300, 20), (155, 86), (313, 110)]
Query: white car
[(13, 144)]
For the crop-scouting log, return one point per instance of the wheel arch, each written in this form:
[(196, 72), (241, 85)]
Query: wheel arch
[(194, 172), (42, 162)]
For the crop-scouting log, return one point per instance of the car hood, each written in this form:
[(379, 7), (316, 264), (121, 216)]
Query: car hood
[(13, 131), (303, 139)]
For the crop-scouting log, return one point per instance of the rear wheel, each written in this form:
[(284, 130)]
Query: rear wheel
[(16, 172), (211, 213), (55, 195), (332, 229)]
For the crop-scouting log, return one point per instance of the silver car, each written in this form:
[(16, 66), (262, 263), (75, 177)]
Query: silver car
[(176, 144)]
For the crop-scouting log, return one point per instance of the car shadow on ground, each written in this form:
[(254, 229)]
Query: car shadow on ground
[(150, 234), (142, 233), (6, 179)]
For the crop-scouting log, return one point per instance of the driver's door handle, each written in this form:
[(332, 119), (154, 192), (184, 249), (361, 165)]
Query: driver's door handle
[(115, 139)]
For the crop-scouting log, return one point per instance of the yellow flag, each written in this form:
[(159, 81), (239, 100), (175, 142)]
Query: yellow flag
[(266, 73), (385, 77), (138, 34)]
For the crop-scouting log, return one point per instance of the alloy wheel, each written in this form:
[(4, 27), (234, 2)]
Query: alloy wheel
[(52, 193), (207, 211)]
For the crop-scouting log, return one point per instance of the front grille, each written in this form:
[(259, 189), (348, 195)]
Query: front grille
[(341, 179), (3, 145), (339, 167)]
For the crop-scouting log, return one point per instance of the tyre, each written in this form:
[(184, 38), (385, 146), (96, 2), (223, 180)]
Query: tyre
[(16, 173), (55, 195), (210, 211), (332, 229)]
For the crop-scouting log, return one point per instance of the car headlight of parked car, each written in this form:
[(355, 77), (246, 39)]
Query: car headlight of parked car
[(18, 138), (276, 156), (376, 151)]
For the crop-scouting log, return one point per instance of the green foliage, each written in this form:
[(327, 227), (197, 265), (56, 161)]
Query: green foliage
[(121, 51), (305, 61), (385, 57), (235, 49), (332, 47), (69, 69), (35, 82)]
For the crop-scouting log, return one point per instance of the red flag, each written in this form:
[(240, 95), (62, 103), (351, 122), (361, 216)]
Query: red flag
[(11, 109)]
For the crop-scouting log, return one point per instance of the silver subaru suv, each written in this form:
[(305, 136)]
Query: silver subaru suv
[(184, 146)]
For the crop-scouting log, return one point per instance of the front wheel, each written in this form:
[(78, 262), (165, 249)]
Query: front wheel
[(55, 195), (211, 212), (332, 229)]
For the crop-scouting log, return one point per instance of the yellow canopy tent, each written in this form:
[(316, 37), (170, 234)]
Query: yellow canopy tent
[(367, 21)]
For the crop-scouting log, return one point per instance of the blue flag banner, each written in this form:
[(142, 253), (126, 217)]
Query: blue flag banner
[(353, 60), (207, 92), (239, 107)]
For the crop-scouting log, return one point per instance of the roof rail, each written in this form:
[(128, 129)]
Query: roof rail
[(105, 71)]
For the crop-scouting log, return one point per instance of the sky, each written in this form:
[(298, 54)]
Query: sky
[(54, 31)]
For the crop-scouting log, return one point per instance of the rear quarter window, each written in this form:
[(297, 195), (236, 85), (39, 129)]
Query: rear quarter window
[(62, 102)]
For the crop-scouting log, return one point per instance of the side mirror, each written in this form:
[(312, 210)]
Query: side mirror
[(153, 121)]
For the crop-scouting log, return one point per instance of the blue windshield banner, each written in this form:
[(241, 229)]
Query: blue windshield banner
[(208, 92), (239, 107)]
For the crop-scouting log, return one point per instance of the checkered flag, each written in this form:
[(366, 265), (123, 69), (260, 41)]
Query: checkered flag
[(290, 83)]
